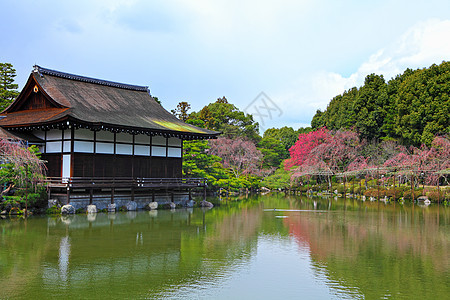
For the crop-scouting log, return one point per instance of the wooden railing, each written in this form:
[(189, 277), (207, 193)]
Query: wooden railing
[(124, 182)]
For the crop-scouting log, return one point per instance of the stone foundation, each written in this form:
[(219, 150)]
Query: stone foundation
[(102, 201)]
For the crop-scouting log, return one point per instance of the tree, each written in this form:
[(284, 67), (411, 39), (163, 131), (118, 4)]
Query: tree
[(157, 100), (238, 155), (286, 136), (199, 163), (325, 153), (227, 118), (181, 111), (8, 89), (336, 152), (423, 105), (21, 168), (304, 145), (272, 151)]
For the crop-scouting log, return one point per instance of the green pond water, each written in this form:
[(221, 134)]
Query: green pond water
[(268, 247)]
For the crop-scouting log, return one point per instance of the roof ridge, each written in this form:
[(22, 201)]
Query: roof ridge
[(44, 71)]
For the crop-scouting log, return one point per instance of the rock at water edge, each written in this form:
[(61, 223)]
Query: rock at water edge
[(112, 207), (153, 205), (206, 204), (67, 209), (131, 206), (91, 209)]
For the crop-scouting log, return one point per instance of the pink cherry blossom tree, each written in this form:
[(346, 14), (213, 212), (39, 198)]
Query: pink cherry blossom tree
[(238, 155), (20, 166)]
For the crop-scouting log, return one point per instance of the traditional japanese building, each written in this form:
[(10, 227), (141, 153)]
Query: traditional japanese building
[(92, 128)]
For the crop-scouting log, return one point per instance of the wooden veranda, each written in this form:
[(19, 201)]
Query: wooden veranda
[(92, 186)]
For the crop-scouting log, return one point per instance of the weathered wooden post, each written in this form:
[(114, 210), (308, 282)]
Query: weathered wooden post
[(68, 194), (360, 189), (345, 189), (353, 188), (394, 189), (378, 186)]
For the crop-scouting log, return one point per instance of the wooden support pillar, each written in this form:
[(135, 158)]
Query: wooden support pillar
[(394, 190), (439, 193), (132, 193), (439, 177), (112, 195), (153, 195), (345, 189), (190, 195), (171, 196), (91, 196), (378, 187), (353, 188), (68, 195), (204, 192), (360, 189), (330, 185)]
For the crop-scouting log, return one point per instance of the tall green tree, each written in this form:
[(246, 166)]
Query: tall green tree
[(273, 152), (369, 107), (412, 108), (8, 89), (181, 112), (423, 105), (227, 118), (286, 136)]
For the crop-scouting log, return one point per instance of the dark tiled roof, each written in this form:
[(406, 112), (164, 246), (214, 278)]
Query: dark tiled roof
[(43, 71), (100, 102)]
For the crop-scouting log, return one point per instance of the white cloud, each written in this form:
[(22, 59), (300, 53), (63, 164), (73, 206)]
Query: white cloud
[(424, 44)]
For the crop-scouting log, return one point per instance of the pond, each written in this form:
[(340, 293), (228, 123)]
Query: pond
[(267, 247)]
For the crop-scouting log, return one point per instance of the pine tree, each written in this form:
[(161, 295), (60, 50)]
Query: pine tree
[(8, 89)]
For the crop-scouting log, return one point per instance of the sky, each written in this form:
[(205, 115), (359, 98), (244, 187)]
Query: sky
[(280, 60)]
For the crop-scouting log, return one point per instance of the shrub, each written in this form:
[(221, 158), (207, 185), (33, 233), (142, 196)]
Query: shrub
[(434, 196), (80, 210), (15, 211), (407, 195), (54, 210), (357, 190), (398, 193), (374, 193)]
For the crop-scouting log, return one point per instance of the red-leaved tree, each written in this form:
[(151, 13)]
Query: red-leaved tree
[(304, 145)]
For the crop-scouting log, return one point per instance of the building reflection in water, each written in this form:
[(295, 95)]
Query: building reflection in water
[(63, 258)]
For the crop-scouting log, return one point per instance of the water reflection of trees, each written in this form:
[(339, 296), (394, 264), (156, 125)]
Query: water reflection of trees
[(143, 254), (376, 247)]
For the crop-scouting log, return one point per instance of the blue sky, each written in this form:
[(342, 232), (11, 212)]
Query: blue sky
[(299, 53)]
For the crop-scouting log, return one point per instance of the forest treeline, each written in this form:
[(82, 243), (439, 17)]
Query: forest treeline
[(411, 108)]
